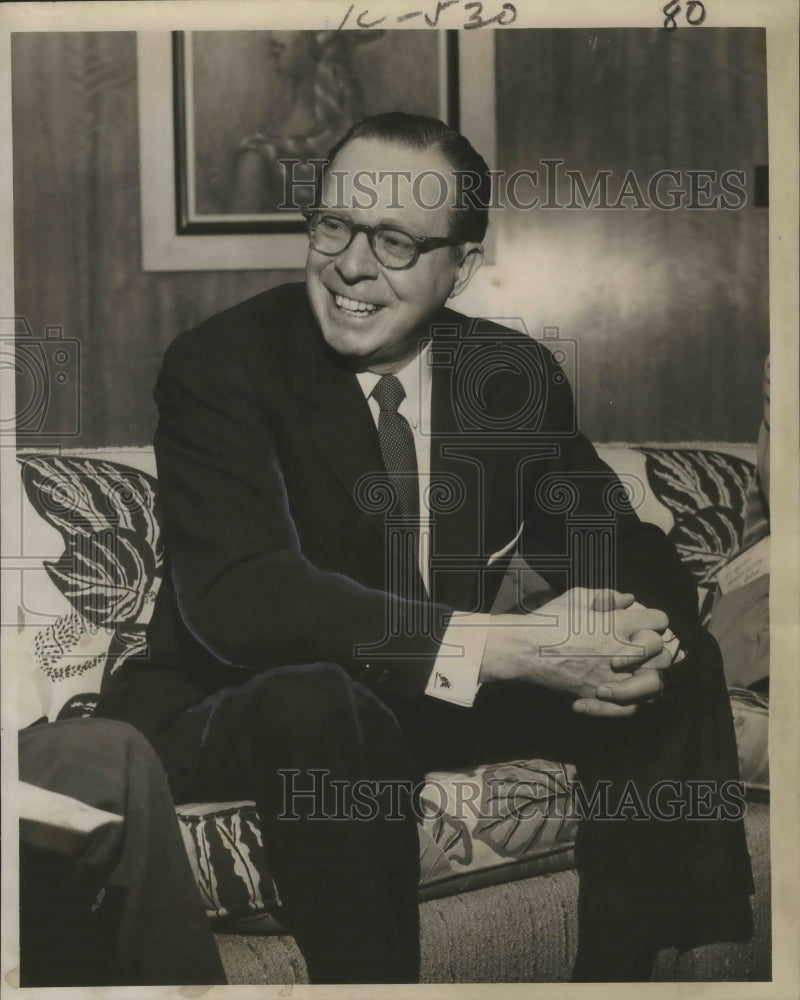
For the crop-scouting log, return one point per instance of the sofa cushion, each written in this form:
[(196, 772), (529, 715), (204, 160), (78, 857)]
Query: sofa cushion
[(107, 574), (479, 827), (223, 843), (705, 490), (110, 567)]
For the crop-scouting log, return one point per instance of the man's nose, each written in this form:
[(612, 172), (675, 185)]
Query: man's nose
[(357, 262)]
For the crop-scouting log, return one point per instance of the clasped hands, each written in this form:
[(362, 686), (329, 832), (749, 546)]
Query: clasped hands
[(598, 646)]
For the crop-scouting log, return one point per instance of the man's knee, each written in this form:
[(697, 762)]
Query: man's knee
[(310, 695), (89, 759), (310, 715)]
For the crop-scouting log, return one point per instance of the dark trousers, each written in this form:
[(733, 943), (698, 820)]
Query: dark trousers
[(646, 881), (121, 908), (348, 885)]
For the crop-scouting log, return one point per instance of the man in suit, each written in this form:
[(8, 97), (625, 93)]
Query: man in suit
[(346, 468)]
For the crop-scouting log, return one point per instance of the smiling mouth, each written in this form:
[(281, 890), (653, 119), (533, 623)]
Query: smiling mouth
[(355, 307)]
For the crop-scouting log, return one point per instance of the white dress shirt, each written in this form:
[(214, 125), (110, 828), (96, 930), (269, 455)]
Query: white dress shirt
[(455, 674)]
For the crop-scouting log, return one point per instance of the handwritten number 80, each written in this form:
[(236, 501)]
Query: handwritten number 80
[(695, 13)]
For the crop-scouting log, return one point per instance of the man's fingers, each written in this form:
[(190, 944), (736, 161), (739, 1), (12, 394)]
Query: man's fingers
[(629, 621), (660, 662), (611, 600), (601, 709), (643, 685), (643, 646), (642, 619)]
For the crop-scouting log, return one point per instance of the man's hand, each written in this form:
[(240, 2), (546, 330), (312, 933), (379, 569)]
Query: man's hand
[(592, 645)]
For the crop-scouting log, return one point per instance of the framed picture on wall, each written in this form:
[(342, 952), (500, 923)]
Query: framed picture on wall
[(256, 111), (234, 125)]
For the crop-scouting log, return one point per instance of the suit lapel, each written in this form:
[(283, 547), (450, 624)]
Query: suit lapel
[(340, 422), (462, 467)]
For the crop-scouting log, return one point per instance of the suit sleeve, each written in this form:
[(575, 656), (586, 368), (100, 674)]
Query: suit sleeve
[(243, 586), (576, 501)]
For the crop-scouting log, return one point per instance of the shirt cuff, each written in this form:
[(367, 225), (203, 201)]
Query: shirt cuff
[(458, 664)]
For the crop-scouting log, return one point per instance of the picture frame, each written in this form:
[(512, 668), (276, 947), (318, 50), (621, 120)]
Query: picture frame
[(189, 219)]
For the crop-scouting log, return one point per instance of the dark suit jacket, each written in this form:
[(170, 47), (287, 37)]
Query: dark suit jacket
[(275, 544)]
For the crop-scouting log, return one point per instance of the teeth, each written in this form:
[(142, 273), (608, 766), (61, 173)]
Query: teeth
[(355, 306)]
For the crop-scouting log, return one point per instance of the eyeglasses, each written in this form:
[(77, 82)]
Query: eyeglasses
[(393, 248)]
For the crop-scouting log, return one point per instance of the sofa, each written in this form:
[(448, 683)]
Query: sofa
[(498, 888)]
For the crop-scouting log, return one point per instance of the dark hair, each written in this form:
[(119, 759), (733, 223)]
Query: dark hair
[(473, 196)]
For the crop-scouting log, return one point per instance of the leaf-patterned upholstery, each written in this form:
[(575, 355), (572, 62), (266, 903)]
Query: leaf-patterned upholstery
[(479, 827), (705, 491)]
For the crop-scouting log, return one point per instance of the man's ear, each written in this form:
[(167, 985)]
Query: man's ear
[(471, 260)]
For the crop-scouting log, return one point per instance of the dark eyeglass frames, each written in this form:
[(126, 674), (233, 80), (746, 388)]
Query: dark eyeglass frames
[(393, 248)]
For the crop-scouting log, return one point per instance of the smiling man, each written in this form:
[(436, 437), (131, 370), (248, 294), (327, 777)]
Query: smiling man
[(346, 468), (370, 298)]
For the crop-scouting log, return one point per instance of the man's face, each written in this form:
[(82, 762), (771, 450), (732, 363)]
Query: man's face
[(368, 312)]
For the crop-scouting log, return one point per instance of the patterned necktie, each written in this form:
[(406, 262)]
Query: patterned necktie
[(400, 458), (397, 446)]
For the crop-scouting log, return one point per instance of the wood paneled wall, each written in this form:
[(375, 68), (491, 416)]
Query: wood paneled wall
[(78, 235), (669, 309)]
